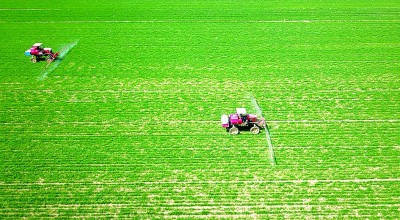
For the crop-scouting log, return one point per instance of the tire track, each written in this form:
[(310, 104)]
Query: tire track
[(209, 121), (298, 181), (208, 21)]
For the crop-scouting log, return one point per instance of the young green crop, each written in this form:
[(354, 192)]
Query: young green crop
[(127, 125)]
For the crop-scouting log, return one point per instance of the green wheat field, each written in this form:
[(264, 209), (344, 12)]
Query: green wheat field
[(126, 124)]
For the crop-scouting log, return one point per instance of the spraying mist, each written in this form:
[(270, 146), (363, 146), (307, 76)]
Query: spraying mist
[(256, 106), (267, 134), (53, 65)]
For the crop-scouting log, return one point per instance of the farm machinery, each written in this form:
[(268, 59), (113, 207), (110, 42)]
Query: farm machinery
[(39, 53), (242, 120)]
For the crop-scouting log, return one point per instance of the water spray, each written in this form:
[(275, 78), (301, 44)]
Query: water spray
[(267, 134), (57, 62)]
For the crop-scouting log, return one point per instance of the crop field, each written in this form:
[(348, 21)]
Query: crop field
[(127, 123)]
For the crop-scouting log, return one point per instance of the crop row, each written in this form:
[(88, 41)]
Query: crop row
[(275, 199), (127, 153), (206, 12), (191, 103)]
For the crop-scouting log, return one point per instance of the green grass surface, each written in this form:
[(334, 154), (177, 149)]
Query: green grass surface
[(127, 125)]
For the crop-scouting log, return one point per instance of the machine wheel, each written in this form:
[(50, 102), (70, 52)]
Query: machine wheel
[(233, 130), (255, 130), (33, 60), (49, 59)]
